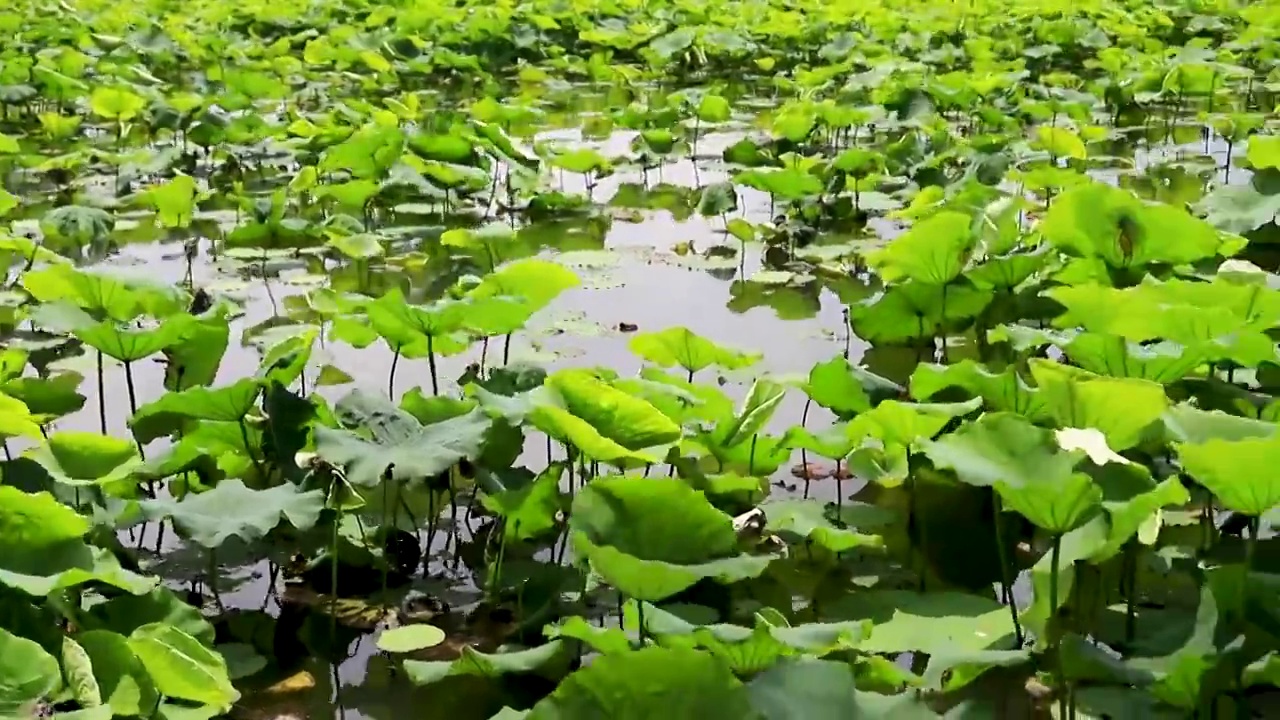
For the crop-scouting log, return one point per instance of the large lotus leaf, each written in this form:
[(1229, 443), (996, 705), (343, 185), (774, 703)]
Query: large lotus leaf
[(901, 423), (385, 439), (846, 389), (129, 345), (756, 410), (166, 414), (1060, 142), (42, 550), (474, 662), (567, 428), (1056, 505), (27, 673), (625, 419), (77, 223), (48, 398), (937, 622), (1241, 208), (673, 683), (1244, 475), (174, 201), (915, 310), (677, 398), (529, 509), (125, 613), (1131, 498), (1001, 448), (16, 419), (1263, 152), (1186, 423), (933, 251), (402, 323), (1004, 390), (181, 667), (1105, 221), (367, 154), (122, 679), (1162, 362), (231, 510), (195, 360), (534, 280), (101, 294), (786, 183), (811, 689), (1121, 408), (652, 538), (77, 668), (1180, 675), (681, 347), (833, 441), (86, 458), (759, 457), (810, 520)]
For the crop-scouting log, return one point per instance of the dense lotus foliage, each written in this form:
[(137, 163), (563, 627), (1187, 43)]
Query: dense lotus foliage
[(328, 447)]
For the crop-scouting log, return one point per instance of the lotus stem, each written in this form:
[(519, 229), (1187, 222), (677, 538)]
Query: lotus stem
[(640, 630), (1050, 630), (1251, 545), (211, 579), (839, 489), (431, 363), (391, 376), (1130, 590), (751, 456), (1006, 581), (102, 397), (248, 449), (506, 350)]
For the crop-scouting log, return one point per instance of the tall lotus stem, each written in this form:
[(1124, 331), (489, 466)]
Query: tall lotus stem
[(1006, 580)]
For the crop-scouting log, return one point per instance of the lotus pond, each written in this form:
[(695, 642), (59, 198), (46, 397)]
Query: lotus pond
[(573, 359)]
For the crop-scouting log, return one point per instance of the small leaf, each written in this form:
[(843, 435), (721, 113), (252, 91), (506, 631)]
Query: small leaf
[(410, 638)]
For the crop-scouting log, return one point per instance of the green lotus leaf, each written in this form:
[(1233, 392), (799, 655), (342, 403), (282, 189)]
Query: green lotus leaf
[(181, 667), (1162, 362), (1056, 505), (652, 538), (167, 414), (681, 347), (807, 688), (1186, 423), (902, 424), (122, 680), (473, 662), (42, 550), (1240, 208), (1130, 499), (1104, 221), (85, 458), (116, 103), (809, 520), (195, 360), (530, 509), (950, 671), (845, 389), (232, 510), (936, 622), (396, 443), (1004, 390), (622, 418), (46, 398), (1001, 448), (410, 638), (934, 251), (101, 294), (1121, 408), (1263, 152), (569, 429), (785, 184), (915, 310), (1237, 472), (368, 154), (1007, 272), (78, 224), (130, 345), (27, 673), (360, 246), (125, 613), (756, 410), (77, 668), (1060, 142), (174, 201), (834, 441), (16, 419), (713, 108), (675, 683), (535, 281)]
